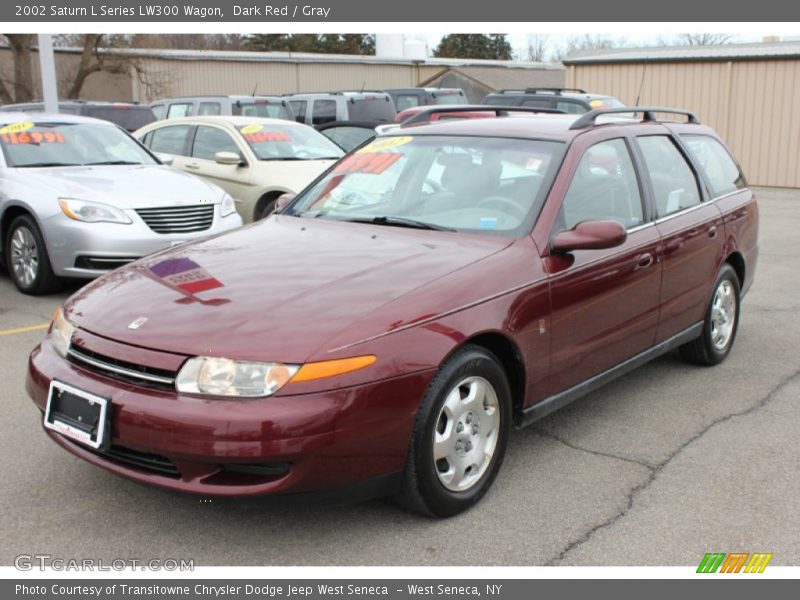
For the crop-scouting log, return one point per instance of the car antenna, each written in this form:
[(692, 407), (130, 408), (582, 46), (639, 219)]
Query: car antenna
[(254, 90), (641, 83), (363, 85)]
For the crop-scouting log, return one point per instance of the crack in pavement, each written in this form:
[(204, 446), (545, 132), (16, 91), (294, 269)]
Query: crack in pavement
[(656, 469), (561, 440)]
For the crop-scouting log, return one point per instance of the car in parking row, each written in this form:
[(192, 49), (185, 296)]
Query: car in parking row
[(128, 115), (272, 107), (385, 330), (80, 197), (255, 160)]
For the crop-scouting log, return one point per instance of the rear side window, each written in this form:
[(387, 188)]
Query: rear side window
[(500, 101), (538, 103), (324, 112), (372, 108), (299, 108), (171, 140), (128, 117), (674, 184), (723, 175), (210, 140), (209, 109), (572, 108), (604, 187), (405, 101), (179, 110)]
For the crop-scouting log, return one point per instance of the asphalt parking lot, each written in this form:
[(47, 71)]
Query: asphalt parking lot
[(661, 466)]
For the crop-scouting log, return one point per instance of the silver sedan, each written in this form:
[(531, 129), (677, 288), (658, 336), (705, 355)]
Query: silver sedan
[(79, 197)]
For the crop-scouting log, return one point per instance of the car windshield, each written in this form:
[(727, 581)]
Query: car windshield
[(275, 141), (31, 144), (605, 102), (126, 116), (484, 185), (271, 109)]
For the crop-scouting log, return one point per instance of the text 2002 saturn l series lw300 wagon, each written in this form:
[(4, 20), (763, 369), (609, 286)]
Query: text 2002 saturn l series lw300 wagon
[(391, 324)]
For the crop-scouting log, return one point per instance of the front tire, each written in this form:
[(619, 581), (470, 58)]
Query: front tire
[(721, 322), (27, 260), (460, 435)]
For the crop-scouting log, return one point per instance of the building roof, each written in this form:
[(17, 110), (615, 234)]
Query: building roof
[(722, 52), (506, 76)]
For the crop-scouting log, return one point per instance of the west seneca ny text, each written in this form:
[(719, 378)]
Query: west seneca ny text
[(189, 11)]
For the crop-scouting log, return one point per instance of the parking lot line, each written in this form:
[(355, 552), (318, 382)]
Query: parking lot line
[(24, 329)]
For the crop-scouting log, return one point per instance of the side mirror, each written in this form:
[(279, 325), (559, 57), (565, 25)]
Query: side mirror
[(283, 201), (227, 158), (590, 235), (165, 158)]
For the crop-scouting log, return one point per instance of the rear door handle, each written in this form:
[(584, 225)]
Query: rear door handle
[(645, 260), (712, 232), (193, 166)]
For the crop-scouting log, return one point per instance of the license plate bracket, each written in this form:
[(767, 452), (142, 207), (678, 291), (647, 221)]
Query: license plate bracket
[(77, 414)]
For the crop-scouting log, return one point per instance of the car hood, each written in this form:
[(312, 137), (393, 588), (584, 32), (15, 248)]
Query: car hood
[(292, 175), (123, 186), (275, 290)]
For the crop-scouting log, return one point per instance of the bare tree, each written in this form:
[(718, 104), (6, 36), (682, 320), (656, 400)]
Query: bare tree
[(589, 41), (20, 88), (537, 47), (706, 39)]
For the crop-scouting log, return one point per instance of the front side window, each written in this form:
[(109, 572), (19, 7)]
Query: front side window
[(46, 144), (723, 174), (472, 184), (170, 140), (299, 108), (604, 187), (210, 140), (159, 111), (674, 184)]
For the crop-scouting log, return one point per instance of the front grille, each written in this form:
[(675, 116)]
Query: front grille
[(123, 370), (178, 219), (143, 460)]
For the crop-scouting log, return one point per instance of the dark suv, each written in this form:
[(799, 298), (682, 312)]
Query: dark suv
[(128, 115), (570, 100)]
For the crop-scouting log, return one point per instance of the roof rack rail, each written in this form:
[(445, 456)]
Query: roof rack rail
[(556, 90), (499, 111), (648, 114)]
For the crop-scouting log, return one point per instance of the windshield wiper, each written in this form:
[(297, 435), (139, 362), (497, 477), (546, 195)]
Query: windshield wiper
[(398, 222), (111, 162), (300, 158), (45, 164)]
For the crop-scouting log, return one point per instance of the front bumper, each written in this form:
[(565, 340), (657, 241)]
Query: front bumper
[(88, 250), (324, 440)]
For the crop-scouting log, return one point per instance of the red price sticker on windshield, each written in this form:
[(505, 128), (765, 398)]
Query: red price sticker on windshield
[(268, 136), (33, 137), (373, 163)]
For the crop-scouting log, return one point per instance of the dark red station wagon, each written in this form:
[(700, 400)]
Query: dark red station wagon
[(384, 332)]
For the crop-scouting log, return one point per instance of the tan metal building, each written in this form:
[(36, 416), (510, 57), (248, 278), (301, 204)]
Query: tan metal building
[(747, 92), (162, 73)]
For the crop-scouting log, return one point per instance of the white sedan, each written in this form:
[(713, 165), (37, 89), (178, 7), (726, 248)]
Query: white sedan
[(79, 197), (254, 159)]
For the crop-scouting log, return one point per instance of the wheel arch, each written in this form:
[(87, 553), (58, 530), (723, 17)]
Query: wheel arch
[(11, 212), (267, 196), (506, 350), (736, 260)]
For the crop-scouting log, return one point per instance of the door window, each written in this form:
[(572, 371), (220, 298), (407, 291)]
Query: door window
[(179, 110), (209, 108), (604, 187), (210, 140), (299, 108), (723, 174), (674, 184), (324, 112), (171, 140)]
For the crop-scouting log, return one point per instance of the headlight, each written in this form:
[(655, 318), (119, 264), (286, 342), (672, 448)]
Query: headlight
[(92, 212), (225, 377), (227, 207), (61, 332)]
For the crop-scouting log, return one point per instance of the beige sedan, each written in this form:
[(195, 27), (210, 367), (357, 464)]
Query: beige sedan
[(254, 159)]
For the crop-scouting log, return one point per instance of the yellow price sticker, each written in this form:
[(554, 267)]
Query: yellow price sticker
[(16, 127), (596, 103), (384, 144), (254, 128)]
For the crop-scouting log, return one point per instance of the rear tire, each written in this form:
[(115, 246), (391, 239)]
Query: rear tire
[(266, 206), (27, 260), (721, 322), (460, 435)]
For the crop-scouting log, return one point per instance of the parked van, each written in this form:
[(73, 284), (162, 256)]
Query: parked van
[(319, 109), (273, 107)]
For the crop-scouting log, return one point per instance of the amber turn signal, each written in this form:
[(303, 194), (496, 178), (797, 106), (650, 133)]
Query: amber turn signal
[(331, 368)]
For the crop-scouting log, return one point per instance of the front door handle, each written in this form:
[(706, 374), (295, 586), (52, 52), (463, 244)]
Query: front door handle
[(712, 231), (192, 166), (645, 260)]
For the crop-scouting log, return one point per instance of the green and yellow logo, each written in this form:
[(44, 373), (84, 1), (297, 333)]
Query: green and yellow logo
[(735, 562)]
